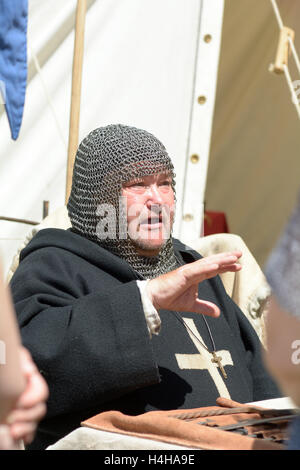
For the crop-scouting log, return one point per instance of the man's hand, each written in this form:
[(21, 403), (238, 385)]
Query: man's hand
[(30, 407), (178, 289)]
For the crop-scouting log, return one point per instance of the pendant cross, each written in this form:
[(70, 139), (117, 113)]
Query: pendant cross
[(203, 360), (218, 360)]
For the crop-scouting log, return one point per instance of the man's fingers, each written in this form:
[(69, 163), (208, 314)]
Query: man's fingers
[(230, 268), (6, 440), (199, 270), (211, 266), (220, 257), (23, 422), (23, 431), (36, 391), (27, 364), (172, 290), (235, 267), (205, 307), (226, 260), (27, 415)]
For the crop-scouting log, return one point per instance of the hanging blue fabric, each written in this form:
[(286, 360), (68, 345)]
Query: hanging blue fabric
[(13, 60)]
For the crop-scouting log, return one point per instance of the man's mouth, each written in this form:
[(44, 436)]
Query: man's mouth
[(152, 222)]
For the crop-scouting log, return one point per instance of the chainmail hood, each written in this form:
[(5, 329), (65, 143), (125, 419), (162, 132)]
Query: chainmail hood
[(108, 157)]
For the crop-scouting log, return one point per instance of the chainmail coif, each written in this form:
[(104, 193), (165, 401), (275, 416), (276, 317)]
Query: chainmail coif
[(108, 157)]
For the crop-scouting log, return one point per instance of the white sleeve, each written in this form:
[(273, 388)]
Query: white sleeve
[(151, 314)]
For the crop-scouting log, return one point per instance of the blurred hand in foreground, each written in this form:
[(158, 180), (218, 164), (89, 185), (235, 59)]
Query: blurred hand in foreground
[(31, 405)]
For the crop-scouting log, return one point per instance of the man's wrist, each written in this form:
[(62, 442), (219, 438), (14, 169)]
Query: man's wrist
[(151, 314), (150, 294)]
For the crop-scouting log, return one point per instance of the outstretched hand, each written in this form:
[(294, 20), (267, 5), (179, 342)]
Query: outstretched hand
[(178, 289)]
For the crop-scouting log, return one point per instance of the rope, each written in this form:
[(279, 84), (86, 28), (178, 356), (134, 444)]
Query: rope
[(295, 55), (295, 98), (280, 24), (290, 83), (277, 14), (39, 71), (191, 415)]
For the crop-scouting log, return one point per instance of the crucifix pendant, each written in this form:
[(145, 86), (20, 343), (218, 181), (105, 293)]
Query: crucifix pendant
[(218, 360)]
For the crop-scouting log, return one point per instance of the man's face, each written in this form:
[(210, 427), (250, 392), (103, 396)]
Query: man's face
[(150, 211)]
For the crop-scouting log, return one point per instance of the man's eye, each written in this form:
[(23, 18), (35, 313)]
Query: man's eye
[(166, 183), (138, 185)]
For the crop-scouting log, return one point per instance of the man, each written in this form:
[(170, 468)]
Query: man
[(119, 315)]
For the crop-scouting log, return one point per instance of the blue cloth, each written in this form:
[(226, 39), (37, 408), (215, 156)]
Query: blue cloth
[(294, 441), (13, 59)]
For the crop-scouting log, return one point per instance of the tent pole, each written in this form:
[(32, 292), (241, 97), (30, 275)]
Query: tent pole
[(76, 91)]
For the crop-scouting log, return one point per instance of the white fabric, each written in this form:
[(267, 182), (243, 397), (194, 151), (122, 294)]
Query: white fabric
[(92, 439), (151, 314), (58, 219)]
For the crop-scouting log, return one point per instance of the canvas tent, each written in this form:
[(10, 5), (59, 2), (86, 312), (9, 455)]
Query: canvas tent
[(140, 64), (254, 167)]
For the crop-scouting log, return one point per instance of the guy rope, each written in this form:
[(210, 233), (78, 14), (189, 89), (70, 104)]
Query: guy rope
[(286, 47)]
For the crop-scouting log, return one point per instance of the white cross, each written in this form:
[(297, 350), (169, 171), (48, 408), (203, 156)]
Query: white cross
[(203, 360)]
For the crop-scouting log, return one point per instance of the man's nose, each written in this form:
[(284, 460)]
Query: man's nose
[(154, 195)]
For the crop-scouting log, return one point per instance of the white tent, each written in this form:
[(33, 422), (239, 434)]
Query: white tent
[(145, 64), (254, 165)]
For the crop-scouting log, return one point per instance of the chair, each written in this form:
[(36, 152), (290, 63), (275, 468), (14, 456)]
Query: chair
[(248, 287)]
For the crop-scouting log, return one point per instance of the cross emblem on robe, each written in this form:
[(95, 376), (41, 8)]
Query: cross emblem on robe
[(204, 360)]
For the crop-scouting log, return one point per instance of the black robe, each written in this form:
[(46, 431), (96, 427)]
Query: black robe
[(81, 317)]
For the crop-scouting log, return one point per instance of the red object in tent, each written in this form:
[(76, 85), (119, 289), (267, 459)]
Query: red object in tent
[(215, 222)]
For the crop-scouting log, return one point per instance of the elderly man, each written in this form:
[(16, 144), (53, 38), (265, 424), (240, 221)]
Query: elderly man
[(119, 315)]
